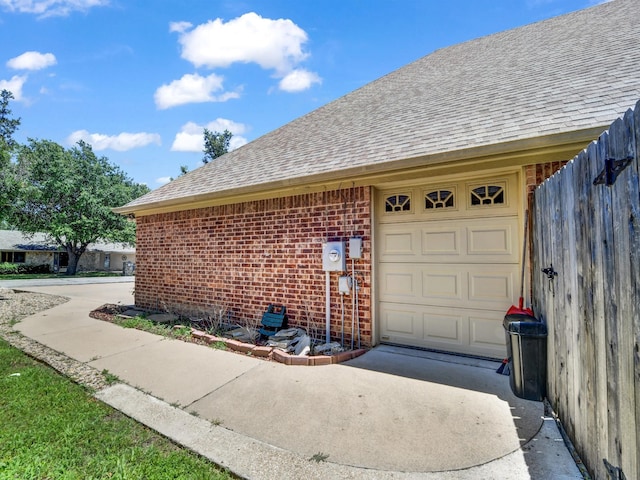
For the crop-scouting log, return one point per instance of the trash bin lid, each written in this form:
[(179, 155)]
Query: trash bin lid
[(529, 329), (517, 317)]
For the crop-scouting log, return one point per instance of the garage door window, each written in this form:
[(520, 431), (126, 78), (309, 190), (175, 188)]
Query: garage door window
[(488, 195), (439, 199), (397, 203)]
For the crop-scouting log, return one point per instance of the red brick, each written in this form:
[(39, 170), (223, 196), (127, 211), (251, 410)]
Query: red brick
[(235, 345), (281, 357), (358, 352), (321, 360), (245, 347), (300, 360), (341, 357), (261, 351), (198, 334), (213, 339)]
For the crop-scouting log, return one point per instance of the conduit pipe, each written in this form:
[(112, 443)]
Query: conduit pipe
[(353, 298), (356, 287), (328, 304)]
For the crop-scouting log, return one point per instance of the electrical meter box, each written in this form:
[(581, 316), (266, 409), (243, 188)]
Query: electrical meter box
[(333, 257), (355, 247)]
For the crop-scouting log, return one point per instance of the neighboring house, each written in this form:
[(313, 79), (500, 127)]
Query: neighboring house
[(38, 250), (431, 166)]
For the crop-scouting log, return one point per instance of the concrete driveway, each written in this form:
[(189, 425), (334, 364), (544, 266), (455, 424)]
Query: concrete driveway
[(391, 413)]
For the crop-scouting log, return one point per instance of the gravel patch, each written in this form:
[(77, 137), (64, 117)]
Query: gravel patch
[(16, 305)]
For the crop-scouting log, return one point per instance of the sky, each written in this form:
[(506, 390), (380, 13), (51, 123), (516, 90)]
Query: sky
[(141, 80)]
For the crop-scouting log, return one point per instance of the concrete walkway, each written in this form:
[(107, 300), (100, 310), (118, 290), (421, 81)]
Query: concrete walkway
[(391, 413), (62, 280)]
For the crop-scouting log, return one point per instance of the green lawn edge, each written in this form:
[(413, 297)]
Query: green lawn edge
[(54, 428)]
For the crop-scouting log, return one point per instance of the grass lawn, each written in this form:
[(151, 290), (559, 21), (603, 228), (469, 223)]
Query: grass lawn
[(52, 428)]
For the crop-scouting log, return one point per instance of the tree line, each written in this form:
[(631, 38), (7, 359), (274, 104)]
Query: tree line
[(66, 193), (69, 193)]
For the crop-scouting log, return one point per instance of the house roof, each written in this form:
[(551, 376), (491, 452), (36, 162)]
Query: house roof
[(529, 86), (15, 241)]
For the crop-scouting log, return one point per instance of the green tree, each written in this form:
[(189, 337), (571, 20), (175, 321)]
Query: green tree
[(69, 195), (8, 127), (183, 171), (216, 144)]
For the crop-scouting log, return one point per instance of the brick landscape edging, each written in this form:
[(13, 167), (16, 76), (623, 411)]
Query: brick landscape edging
[(276, 354)]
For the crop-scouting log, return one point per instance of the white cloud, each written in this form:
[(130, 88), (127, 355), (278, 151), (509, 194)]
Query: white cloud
[(121, 142), (32, 61), (192, 88), (14, 85), (299, 80), (236, 142), (163, 180), (272, 44), (179, 27), (51, 8), (190, 137)]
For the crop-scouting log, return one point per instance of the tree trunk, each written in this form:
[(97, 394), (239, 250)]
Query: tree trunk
[(74, 258), (72, 268)]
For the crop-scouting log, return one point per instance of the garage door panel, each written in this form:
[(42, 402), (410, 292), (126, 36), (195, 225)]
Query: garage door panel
[(442, 284), (462, 241), (487, 334), (400, 285), (412, 283), (399, 244), (444, 327), (454, 330), (485, 287), (401, 322), (495, 241), (441, 241), (491, 286)]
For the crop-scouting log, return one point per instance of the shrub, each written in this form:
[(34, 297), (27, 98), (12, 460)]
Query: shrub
[(9, 268), (21, 268), (44, 268)]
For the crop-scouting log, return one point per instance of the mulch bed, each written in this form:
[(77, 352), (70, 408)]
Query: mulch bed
[(108, 312)]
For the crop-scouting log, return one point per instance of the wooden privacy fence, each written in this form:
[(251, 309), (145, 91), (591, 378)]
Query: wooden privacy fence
[(586, 238)]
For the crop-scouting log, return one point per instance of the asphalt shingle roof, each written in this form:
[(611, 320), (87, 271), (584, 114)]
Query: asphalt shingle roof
[(568, 73)]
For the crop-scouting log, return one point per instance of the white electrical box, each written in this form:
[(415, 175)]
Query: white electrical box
[(333, 257), (344, 285), (355, 247)]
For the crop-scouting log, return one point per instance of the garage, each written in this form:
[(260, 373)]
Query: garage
[(448, 264)]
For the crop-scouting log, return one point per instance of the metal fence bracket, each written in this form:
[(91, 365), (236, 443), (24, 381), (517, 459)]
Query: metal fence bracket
[(612, 169), (615, 473)]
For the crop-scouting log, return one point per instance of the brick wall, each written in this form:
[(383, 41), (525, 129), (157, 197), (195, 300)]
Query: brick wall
[(247, 255), (536, 174)]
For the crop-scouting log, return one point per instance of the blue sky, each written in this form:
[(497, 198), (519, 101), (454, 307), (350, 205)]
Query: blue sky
[(140, 80)]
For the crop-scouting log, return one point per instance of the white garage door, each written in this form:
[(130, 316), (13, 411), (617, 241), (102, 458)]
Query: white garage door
[(448, 265)]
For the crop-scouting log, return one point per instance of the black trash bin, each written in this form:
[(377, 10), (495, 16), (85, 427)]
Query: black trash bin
[(527, 352)]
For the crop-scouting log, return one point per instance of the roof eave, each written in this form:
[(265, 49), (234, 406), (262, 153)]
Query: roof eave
[(518, 152)]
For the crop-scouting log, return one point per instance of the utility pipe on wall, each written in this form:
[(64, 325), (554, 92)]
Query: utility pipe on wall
[(355, 318), (328, 304)]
